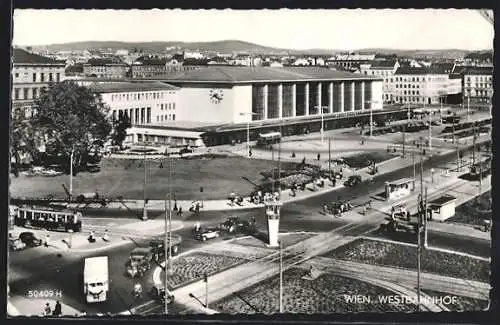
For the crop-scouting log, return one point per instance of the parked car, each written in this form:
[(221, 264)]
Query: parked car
[(185, 150), (235, 224), (353, 181), (159, 294), (15, 244), (209, 233), (30, 239)]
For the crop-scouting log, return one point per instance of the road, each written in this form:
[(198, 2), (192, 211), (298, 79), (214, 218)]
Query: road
[(38, 268)]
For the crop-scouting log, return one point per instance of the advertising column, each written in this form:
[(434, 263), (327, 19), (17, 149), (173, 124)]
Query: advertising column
[(273, 222)]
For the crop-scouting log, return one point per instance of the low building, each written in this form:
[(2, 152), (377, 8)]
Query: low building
[(398, 189), (442, 208), (148, 66), (477, 83), (145, 103), (349, 61), (105, 68), (31, 73)]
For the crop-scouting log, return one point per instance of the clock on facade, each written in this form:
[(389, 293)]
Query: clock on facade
[(216, 95)]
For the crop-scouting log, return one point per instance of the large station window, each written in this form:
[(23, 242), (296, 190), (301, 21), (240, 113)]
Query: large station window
[(313, 98), (337, 97), (347, 97), (273, 101), (325, 96), (358, 96), (258, 102), (287, 100), (300, 99)]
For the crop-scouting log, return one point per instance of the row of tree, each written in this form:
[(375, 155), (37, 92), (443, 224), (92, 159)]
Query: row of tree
[(67, 119)]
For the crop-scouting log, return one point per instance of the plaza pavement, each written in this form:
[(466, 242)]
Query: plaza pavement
[(238, 278)]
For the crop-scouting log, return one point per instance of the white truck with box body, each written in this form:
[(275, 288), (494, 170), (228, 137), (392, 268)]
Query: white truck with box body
[(96, 279)]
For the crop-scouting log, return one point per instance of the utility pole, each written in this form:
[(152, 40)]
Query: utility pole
[(329, 156), (468, 108), (414, 167), (279, 168), (281, 279), (145, 210), (455, 140), (169, 244), (71, 174), (166, 248), (474, 144), (274, 171), (419, 250), (430, 130), (425, 218), (404, 140)]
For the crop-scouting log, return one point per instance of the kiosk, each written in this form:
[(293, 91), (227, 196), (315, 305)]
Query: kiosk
[(398, 189), (442, 208), (273, 208)]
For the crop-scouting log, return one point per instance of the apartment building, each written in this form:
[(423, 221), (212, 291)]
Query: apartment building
[(477, 83), (31, 74)]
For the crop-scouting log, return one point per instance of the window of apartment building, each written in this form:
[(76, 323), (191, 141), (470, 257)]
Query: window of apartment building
[(161, 118), (161, 107), (58, 77), (16, 93), (50, 77), (157, 119), (173, 105), (16, 75), (35, 93), (34, 77), (173, 117), (148, 115), (42, 77), (169, 106), (25, 93)]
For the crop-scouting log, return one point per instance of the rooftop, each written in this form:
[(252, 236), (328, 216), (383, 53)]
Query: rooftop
[(443, 200), (382, 64), (20, 56), (423, 70), (130, 87), (478, 70), (237, 74), (147, 60), (105, 61)]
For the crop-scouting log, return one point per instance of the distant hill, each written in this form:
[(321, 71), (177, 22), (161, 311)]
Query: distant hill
[(230, 46)]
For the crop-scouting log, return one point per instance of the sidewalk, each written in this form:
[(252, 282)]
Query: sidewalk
[(20, 306)]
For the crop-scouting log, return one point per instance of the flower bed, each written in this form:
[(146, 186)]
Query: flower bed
[(326, 294), (286, 240), (390, 254), (473, 212), (462, 303), (191, 267)]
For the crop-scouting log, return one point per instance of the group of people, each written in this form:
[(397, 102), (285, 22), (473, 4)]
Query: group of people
[(238, 199), (56, 312)]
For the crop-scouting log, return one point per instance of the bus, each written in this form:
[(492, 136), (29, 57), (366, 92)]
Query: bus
[(48, 218), (266, 139)]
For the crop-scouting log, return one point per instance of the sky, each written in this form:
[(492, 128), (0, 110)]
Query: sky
[(291, 29)]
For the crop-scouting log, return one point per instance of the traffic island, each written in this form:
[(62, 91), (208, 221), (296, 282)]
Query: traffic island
[(458, 303), (327, 293), (405, 256), (285, 239)]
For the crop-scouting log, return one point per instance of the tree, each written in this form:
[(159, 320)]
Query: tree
[(22, 139), (71, 117), (120, 127)]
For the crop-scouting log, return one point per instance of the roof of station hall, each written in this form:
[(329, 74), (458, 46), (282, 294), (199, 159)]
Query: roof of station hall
[(124, 87), (230, 74)]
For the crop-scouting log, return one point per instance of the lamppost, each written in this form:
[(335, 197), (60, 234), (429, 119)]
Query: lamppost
[(168, 233), (281, 278), (248, 130), (71, 174), (145, 209), (371, 114)]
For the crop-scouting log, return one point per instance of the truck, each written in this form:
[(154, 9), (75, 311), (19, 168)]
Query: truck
[(96, 279), (158, 246)]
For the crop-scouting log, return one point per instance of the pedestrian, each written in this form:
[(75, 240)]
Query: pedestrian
[(57, 309), (319, 156), (293, 154), (106, 236), (325, 208), (250, 153), (47, 240), (364, 209), (179, 212), (304, 161), (91, 237), (47, 311)]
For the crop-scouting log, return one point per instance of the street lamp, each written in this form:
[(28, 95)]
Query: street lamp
[(248, 130), (71, 174), (371, 114), (145, 210)]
